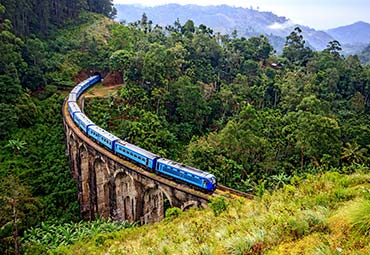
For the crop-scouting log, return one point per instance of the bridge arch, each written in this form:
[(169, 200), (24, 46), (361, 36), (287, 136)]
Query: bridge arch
[(125, 193), (189, 204)]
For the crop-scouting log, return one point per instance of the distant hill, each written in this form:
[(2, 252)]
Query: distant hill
[(358, 32), (354, 38), (248, 22)]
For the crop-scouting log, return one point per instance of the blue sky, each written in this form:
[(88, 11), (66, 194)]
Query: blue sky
[(319, 14)]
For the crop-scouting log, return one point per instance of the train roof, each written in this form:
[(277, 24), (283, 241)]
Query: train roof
[(74, 107), (75, 90), (82, 84), (84, 118), (72, 97), (185, 168), (104, 133), (137, 149)]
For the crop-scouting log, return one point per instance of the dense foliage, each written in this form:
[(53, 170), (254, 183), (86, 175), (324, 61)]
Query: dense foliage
[(39, 16), (35, 181), (50, 236), (252, 118), (224, 104)]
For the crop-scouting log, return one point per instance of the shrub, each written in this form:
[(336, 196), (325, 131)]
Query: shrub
[(218, 205), (173, 212), (251, 243)]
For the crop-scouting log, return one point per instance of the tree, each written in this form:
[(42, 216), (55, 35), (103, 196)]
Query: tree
[(306, 131), (353, 153), (260, 48), (190, 108), (145, 24), (121, 60), (188, 28), (15, 202), (295, 50), (333, 48), (8, 119)]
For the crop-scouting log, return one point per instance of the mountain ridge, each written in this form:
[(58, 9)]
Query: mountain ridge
[(247, 22)]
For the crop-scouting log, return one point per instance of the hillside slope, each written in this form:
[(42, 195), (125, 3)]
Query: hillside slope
[(317, 216)]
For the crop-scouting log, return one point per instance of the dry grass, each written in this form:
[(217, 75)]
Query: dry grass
[(308, 218)]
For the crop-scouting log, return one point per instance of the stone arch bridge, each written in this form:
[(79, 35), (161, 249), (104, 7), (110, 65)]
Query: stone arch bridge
[(111, 187)]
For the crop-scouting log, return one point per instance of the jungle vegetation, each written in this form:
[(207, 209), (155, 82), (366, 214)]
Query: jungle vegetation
[(228, 105)]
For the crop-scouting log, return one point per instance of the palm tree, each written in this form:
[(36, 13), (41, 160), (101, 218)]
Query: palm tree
[(353, 153), (16, 145)]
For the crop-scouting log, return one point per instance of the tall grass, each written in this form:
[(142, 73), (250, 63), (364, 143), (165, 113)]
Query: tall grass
[(305, 217), (359, 217)]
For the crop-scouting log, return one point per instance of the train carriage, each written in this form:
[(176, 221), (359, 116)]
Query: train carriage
[(72, 97), (73, 108), (83, 121), (102, 136), (82, 86), (137, 154), (187, 174)]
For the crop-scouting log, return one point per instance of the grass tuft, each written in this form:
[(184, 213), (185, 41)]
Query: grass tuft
[(359, 217)]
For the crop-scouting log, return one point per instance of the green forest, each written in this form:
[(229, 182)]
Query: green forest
[(262, 123)]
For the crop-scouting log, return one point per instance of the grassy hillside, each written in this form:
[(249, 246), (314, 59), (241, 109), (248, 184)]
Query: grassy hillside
[(323, 214)]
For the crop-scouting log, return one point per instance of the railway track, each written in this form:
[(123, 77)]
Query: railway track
[(231, 193), (220, 190)]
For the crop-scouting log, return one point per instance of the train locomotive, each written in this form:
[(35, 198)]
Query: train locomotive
[(143, 158)]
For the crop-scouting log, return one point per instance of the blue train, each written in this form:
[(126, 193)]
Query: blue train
[(144, 158)]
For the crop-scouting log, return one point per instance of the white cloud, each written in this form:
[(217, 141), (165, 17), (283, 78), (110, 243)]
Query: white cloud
[(281, 26)]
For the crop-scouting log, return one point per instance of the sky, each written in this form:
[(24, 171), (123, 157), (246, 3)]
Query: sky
[(318, 14)]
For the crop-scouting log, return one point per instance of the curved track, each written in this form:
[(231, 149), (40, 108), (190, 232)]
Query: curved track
[(220, 190)]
